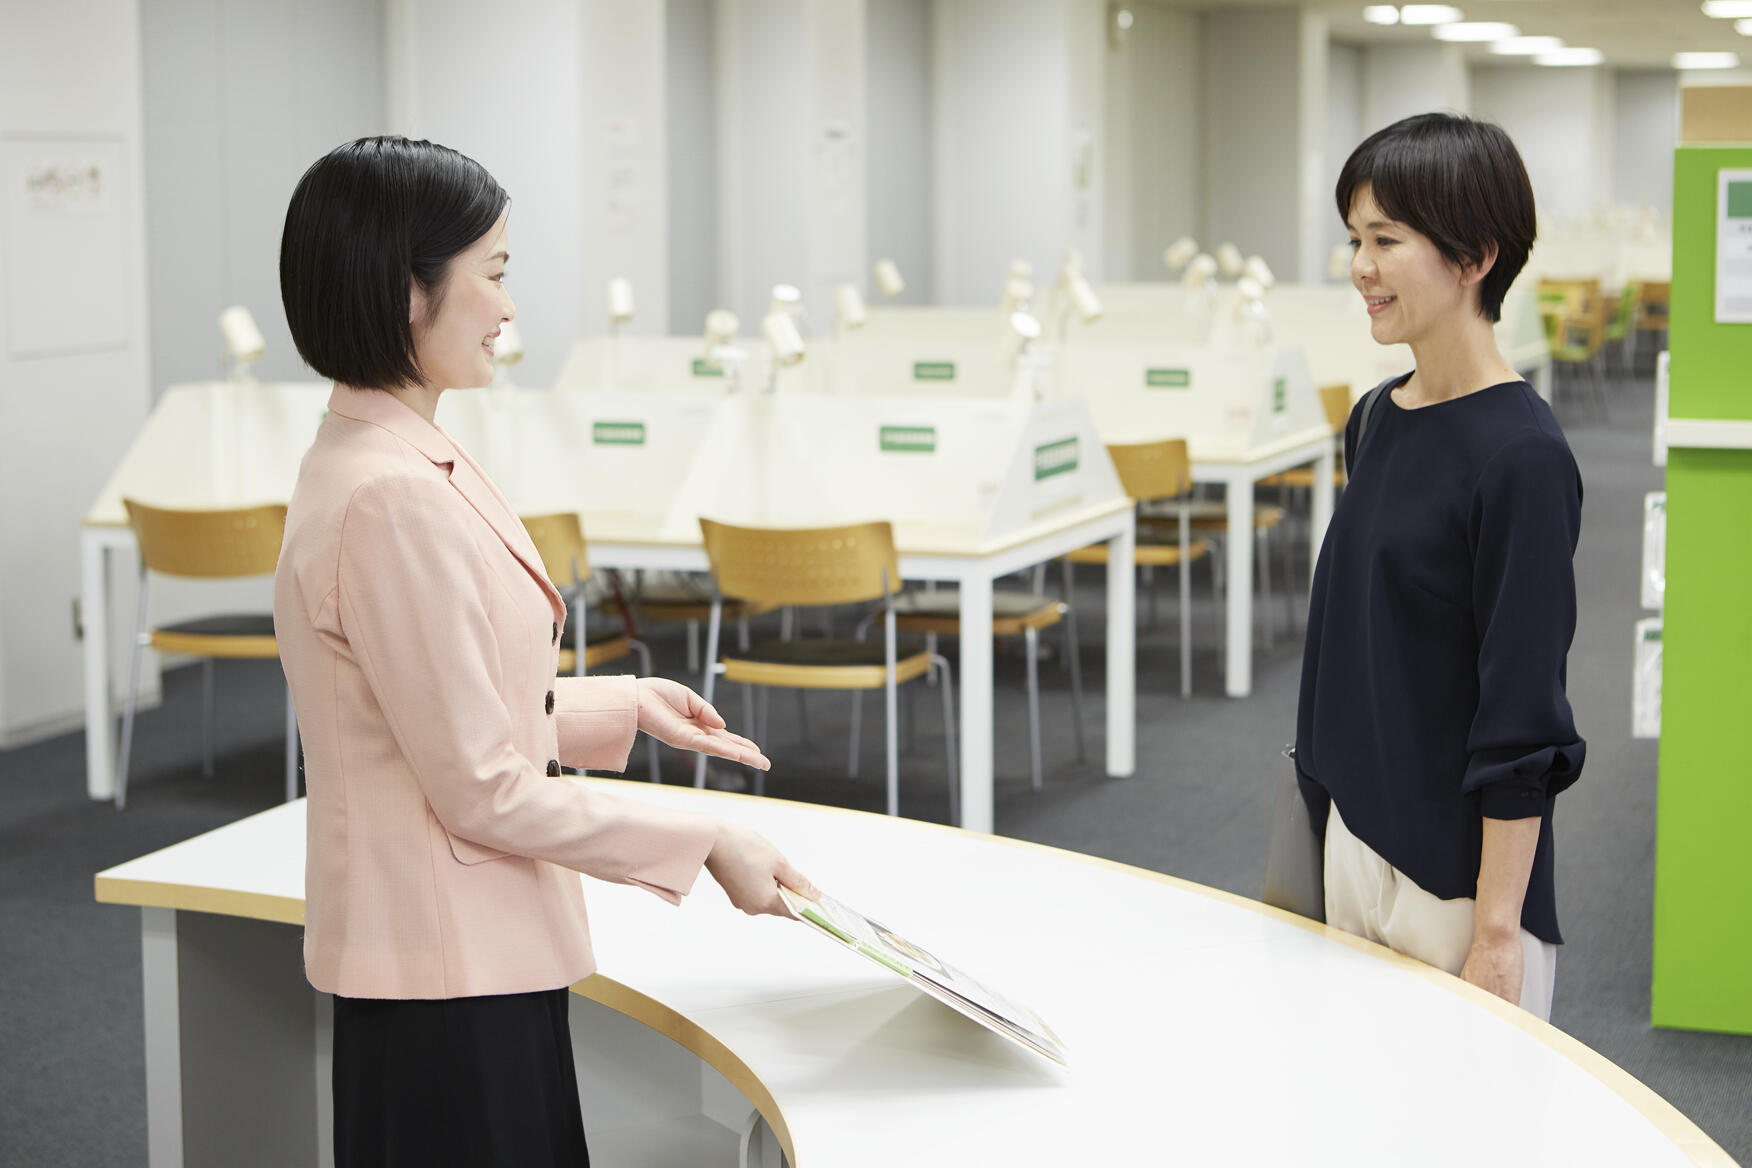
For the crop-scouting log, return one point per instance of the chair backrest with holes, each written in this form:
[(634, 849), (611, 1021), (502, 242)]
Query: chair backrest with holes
[(1336, 400), (559, 540), (814, 565), (243, 541), (1153, 470)]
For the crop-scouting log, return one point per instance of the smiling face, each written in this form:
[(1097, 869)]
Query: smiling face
[(453, 342), (1408, 285)]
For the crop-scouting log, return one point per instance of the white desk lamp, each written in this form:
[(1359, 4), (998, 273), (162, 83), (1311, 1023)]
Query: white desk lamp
[(888, 279), (244, 345), (848, 303), (1180, 253), (620, 303), (1230, 261), (1260, 271), (507, 351), (1338, 263), (721, 350)]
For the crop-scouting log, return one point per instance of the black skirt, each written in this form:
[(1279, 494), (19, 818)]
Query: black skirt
[(465, 1081)]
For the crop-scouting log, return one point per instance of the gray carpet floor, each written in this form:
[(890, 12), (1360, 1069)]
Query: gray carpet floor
[(71, 1063)]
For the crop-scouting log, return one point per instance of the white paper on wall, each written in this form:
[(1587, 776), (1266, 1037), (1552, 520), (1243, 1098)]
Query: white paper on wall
[(1661, 408), (1654, 560), (66, 287), (1645, 714)]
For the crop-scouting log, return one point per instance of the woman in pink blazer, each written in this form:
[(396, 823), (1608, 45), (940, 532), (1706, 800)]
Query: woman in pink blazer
[(420, 638)]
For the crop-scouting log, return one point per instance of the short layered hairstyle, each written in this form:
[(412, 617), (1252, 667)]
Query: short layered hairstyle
[(1456, 181), (367, 222)]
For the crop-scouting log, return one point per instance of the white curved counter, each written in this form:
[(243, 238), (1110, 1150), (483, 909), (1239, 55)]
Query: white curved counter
[(1203, 1028)]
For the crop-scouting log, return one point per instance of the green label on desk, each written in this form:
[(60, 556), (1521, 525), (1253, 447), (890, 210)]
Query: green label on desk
[(618, 433), (909, 439), (705, 368), (1055, 458), (1168, 378), (1651, 632), (1280, 397), (933, 371)]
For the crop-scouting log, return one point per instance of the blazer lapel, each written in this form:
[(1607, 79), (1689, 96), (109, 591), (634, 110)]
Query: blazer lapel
[(386, 411)]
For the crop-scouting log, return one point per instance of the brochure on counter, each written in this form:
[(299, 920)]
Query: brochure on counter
[(949, 985)]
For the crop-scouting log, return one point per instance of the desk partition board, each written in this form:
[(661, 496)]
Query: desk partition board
[(970, 364), (670, 364), (1225, 402), (952, 474), (1703, 862)]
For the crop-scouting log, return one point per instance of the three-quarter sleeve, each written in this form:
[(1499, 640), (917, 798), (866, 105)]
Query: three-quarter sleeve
[(414, 591), (1523, 526)]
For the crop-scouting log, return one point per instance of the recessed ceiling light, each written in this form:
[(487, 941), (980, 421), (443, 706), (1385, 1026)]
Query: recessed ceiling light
[(1727, 9), (1743, 27), (1526, 46), (1476, 30), (1706, 60), (1429, 14), (1381, 14), (1570, 57)]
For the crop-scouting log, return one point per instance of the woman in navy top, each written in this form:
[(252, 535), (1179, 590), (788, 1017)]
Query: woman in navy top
[(1433, 719)]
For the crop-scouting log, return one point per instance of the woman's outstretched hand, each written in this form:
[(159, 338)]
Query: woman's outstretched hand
[(750, 870), (670, 712)]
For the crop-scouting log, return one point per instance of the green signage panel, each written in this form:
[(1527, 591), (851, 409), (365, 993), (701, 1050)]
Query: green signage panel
[(704, 368), (933, 371), (1055, 458), (1280, 397), (1168, 378), (1740, 200), (908, 439), (618, 433)]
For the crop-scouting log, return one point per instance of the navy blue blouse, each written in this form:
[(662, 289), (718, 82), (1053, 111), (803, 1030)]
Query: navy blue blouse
[(1442, 611)]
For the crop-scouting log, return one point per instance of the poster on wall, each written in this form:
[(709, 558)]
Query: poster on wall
[(65, 237)]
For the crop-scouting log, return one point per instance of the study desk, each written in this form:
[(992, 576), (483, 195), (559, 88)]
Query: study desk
[(1202, 1028), (1238, 470), (200, 449)]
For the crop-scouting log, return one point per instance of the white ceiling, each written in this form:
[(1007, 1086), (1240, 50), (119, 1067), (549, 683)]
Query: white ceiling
[(1632, 33)]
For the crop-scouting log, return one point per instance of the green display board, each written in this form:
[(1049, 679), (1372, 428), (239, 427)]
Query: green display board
[(1703, 838)]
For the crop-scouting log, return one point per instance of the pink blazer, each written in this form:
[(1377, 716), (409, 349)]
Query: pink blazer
[(420, 638)]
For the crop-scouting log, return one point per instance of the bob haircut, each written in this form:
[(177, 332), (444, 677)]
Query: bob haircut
[(1458, 182), (367, 220)]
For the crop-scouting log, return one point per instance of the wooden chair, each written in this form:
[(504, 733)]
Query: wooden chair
[(1157, 473), (1336, 401), (559, 540), (675, 598), (1014, 613), (855, 564), (1575, 340), (1651, 309), (212, 545)]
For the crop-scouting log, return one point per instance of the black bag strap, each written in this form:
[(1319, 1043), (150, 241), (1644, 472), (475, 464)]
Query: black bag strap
[(1363, 420)]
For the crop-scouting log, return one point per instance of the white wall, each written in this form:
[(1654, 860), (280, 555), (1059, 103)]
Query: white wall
[(1645, 133), (1402, 80), (1561, 121), (241, 97), (792, 147), (692, 120), (1018, 94), (1153, 124), (899, 176), (74, 340), (1344, 128), (1263, 140)]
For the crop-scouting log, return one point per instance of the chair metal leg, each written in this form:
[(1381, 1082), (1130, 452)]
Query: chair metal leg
[(948, 688), (291, 747), (803, 719), (1032, 637), (891, 707), (748, 722), (207, 718), (1073, 652), (1185, 535), (126, 745), (1265, 614), (709, 681), (693, 646), (643, 651), (857, 727)]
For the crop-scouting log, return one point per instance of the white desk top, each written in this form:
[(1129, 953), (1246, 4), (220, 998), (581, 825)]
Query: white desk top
[(1202, 1027)]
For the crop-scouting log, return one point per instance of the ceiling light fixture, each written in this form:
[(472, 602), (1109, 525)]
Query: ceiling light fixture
[(1476, 31), (1429, 14), (1526, 46), (1743, 27), (1706, 60), (1727, 9), (1562, 57), (1381, 14)]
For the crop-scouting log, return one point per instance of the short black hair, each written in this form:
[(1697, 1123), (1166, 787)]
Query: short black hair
[(366, 220), (1457, 181)]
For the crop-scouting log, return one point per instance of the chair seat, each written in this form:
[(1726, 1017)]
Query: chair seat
[(823, 663), (1156, 548), (600, 645), (1213, 515), (682, 600), (1300, 476), (940, 612), (237, 635)]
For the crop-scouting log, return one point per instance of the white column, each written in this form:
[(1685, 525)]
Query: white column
[(1402, 80), (1018, 89), (791, 153)]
